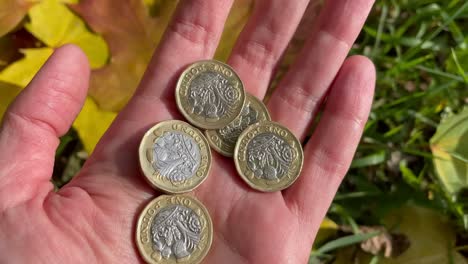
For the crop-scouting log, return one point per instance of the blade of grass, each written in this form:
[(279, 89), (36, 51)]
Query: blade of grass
[(382, 19), (352, 195), (459, 67), (440, 73), (375, 260), (370, 160), (411, 52), (343, 242)]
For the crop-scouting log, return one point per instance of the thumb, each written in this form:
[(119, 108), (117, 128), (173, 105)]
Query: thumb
[(41, 113)]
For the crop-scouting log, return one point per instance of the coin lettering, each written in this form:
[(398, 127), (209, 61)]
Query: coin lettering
[(179, 231), (176, 231), (268, 156), (209, 94), (174, 156)]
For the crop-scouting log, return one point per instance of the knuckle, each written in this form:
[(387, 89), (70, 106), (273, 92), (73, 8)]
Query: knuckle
[(195, 32), (259, 54), (300, 98), (330, 161)]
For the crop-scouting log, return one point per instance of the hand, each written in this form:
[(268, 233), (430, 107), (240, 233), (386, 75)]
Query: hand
[(92, 219)]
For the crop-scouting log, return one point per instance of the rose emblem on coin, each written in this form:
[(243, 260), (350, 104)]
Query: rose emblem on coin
[(209, 94), (176, 231), (176, 156), (269, 156)]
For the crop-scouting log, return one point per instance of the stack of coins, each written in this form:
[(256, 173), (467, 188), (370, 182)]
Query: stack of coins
[(175, 158)]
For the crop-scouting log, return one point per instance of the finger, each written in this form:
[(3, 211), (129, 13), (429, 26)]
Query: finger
[(331, 148), (303, 88), (192, 35), (263, 41), (41, 113)]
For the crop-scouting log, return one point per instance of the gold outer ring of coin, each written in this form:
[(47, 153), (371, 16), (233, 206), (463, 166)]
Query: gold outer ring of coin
[(240, 159), (161, 182), (189, 74), (145, 220), (226, 148)]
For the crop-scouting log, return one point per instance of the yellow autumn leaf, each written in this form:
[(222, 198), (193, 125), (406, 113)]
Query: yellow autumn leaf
[(235, 22), (8, 93), (450, 148), (22, 71), (55, 25), (92, 123), (328, 228)]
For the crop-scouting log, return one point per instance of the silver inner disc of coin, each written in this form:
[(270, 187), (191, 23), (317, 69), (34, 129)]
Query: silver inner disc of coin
[(211, 95), (269, 156), (176, 156), (176, 231), (231, 132)]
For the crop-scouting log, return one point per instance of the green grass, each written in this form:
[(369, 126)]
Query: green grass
[(420, 51)]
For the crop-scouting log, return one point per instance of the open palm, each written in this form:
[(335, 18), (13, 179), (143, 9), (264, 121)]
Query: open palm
[(92, 219)]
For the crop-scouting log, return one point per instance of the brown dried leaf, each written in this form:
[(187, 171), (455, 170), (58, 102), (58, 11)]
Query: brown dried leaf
[(132, 35), (390, 244), (429, 235), (12, 12)]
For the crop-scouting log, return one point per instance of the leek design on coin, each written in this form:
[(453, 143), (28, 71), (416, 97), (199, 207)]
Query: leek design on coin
[(174, 229), (268, 157), (209, 94), (174, 156), (224, 140)]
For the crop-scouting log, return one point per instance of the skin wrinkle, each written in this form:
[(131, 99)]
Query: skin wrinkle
[(331, 159), (92, 214), (263, 41), (197, 29), (307, 107), (303, 96), (39, 123)]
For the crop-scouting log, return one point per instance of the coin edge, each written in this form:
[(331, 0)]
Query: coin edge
[(161, 197), (148, 179), (239, 170), (179, 103), (223, 152)]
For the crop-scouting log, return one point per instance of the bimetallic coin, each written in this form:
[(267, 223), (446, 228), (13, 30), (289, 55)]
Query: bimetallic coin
[(268, 156), (174, 156), (224, 140), (210, 94), (174, 229)]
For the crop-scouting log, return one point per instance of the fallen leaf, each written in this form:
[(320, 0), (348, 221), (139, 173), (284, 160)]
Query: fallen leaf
[(131, 34), (430, 235), (22, 71), (449, 146), (8, 93), (237, 18), (92, 123), (12, 12), (328, 228), (55, 25)]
